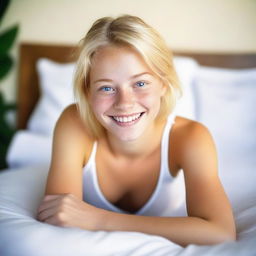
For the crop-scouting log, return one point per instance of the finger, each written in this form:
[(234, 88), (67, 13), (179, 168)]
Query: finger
[(58, 196), (43, 215), (56, 201), (52, 197), (48, 204), (56, 219)]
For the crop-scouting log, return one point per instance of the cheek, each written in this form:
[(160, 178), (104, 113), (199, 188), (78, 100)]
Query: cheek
[(100, 105), (151, 99)]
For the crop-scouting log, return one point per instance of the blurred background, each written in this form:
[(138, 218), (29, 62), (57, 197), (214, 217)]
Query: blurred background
[(215, 26), (196, 25)]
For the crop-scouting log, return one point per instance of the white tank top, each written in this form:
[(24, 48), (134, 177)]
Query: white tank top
[(168, 198)]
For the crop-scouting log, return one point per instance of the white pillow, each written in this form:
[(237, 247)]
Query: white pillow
[(56, 93), (226, 103), (28, 148), (186, 69)]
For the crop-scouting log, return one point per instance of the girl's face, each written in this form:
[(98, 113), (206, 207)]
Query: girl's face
[(125, 95)]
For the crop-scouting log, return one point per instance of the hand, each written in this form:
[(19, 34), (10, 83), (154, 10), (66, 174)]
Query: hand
[(66, 210)]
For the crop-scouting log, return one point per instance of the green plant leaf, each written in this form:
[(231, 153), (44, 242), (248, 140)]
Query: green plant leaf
[(1, 100), (7, 38), (3, 6), (10, 106), (5, 66)]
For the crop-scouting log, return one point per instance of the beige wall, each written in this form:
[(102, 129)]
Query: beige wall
[(196, 25)]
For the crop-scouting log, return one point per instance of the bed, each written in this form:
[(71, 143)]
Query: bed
[(219, 91)]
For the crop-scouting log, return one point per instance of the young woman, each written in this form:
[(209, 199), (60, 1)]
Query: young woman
[(120, 155)]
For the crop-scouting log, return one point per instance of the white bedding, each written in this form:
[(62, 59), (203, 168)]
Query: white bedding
[(21, 235), (224, 100)]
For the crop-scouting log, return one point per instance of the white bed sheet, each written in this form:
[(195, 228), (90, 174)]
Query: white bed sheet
[(21, 190)]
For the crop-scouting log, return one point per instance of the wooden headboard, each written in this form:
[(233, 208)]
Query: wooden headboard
[(28, 85)]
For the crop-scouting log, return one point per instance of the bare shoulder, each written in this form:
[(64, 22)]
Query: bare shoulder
[(191, 141), (189, 131), (70, 131), (70, 116), (70, 120)]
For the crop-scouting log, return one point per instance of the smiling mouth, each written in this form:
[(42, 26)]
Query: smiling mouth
[(130, 119)]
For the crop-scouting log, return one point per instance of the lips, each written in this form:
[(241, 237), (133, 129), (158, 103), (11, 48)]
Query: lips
[(127, 118)]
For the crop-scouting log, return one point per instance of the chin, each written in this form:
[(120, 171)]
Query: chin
[(127, 137)]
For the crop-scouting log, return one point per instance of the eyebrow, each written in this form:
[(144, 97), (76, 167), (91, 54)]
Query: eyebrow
[(132, 77)]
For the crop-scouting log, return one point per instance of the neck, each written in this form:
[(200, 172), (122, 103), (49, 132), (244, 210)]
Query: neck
[(143, 146)]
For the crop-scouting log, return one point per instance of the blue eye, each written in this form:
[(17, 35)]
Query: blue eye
[(140, 84), (106, 89)]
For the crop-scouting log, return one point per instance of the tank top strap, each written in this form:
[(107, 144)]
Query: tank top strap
[(91, 161), (165, 144)]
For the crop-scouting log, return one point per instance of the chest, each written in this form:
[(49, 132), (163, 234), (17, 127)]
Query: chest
[(128, 184)]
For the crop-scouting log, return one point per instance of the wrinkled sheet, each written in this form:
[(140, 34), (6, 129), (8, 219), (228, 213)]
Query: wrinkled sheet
[(21, 191)]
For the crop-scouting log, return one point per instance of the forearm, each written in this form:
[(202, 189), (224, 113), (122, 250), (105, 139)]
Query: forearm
[(181, 230), (68, 211)]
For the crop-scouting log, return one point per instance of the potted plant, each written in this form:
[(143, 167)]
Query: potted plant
[(7, 38)]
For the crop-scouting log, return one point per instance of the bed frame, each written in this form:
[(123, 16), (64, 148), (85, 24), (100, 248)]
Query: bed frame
[(28, 85)]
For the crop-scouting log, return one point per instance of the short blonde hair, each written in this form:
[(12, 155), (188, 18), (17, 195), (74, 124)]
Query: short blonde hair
[(128, 31)]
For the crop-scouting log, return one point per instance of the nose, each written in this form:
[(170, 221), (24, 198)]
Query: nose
[(125, 99)]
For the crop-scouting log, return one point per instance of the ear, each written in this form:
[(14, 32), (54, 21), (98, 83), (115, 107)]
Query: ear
[(163, 89)]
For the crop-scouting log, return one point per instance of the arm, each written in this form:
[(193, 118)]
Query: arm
[(65, 174), (63, 204), (69, 153)]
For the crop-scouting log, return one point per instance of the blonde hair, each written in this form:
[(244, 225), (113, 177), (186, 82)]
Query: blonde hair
[(129, 31)]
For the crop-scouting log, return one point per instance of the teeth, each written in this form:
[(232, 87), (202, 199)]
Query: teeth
[(126, 119)]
